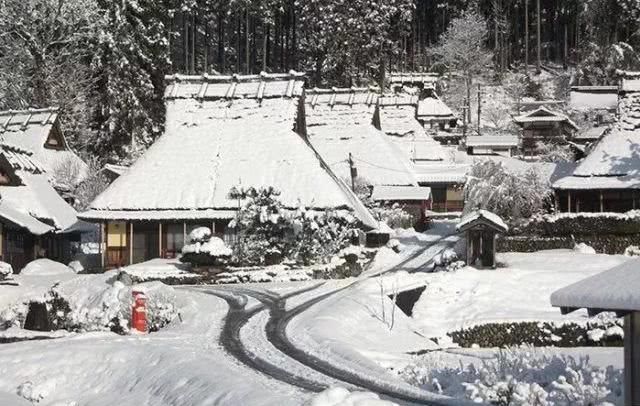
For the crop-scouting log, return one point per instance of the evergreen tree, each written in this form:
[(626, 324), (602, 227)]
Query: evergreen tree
[(130, 63)]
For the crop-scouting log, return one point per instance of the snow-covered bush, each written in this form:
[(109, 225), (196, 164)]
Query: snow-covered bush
[(6, 270), (105, 304), (205, 249), (511, 196), (521, 376), (395, 216), (632, 251), (447, 261), (267, 232), (45, 266), (583, 248)]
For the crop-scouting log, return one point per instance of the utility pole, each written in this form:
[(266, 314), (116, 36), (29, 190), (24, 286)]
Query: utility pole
[(538, 62), (479, 106), (354, 172), (464, 118), (526, 36)]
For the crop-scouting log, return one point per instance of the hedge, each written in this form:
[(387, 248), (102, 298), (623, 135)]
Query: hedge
[(603, 243), (538, 334), (582, 223)]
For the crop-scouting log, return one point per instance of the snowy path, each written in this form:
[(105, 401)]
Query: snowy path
[(258, 336)]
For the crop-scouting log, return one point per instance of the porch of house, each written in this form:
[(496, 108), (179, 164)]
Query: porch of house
[(131, 242), (447, 198), (597, 201)]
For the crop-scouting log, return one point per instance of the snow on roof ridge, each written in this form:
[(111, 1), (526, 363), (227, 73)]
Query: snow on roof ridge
[(262, 76), (29, 110), (482, 213), (398, 100), (628, 74), (343, 90)]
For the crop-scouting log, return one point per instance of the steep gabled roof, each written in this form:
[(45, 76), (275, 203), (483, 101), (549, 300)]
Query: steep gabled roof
[(397, 116), (30, 129), (341, 122), (33, 201), (543, 114), (433, 107), (216, 87), (217, 143), (614, 162), (482, 218)]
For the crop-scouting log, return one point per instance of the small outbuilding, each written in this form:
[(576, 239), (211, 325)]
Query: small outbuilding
[(616, 290), (481, 228)]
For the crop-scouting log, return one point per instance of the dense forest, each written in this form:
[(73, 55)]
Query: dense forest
[(103, 61)]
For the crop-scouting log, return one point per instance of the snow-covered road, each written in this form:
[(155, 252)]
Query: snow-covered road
[(259, 335)]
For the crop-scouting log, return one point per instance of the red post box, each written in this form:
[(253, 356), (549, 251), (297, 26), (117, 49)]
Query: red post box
[(139, 312)]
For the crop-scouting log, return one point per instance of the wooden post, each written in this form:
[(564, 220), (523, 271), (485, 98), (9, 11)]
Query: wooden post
[(568, 201), (632, 359), (601, 202), (160, 240), (131, 243), (184, 233), (213, 227), (103, 244)]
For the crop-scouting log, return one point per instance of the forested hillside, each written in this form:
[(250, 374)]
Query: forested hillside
[(103, 61)]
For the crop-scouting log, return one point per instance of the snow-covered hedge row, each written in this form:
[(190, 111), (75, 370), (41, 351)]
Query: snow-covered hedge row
[(602, 243), (600, 331), (519, 377), (583, 223)]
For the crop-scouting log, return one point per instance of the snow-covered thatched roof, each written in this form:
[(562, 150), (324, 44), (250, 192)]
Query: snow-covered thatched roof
[(614, 163), (545, 115), (38, 131), (584, 98), (340, 123), (397, 115), (434, 108), (484, 218), (29, 200), (216, 87), (397, 193), (413, 78), (213, 145), (613, 290)]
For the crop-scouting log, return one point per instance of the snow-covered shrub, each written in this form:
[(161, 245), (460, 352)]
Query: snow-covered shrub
[(447, 260), (512, 196), (605, 329), (45, 266), (6, 270), (521, 376), (267, 232), (205, 249), (106, 305), (554, 152), (395, 216), (583, 248), (632, 251), (76, 266)]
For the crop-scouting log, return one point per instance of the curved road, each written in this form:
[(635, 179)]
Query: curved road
[(276, 327)]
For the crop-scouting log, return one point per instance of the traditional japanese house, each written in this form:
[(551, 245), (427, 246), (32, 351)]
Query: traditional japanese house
[(436, 116), (446, 181), (221, 133), (608, 179), (413, 82), (505, 145), (616, 291), (34, 220), (414, 200), (38, 131), (397, 118), (544, 126)]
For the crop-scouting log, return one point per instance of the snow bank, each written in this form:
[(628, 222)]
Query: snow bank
[(45, 266), (338, 396), (170, 271), (584, 248), (9, 399)]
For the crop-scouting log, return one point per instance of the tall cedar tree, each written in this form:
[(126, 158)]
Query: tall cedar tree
[(130, 64)]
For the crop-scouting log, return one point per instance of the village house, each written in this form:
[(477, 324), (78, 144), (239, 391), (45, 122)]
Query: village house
[(438, 119), (608, 179), (505, 145), (221, 133), (34, 220), (414, 83), (396, 116), (544, 126), (38, 131)]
